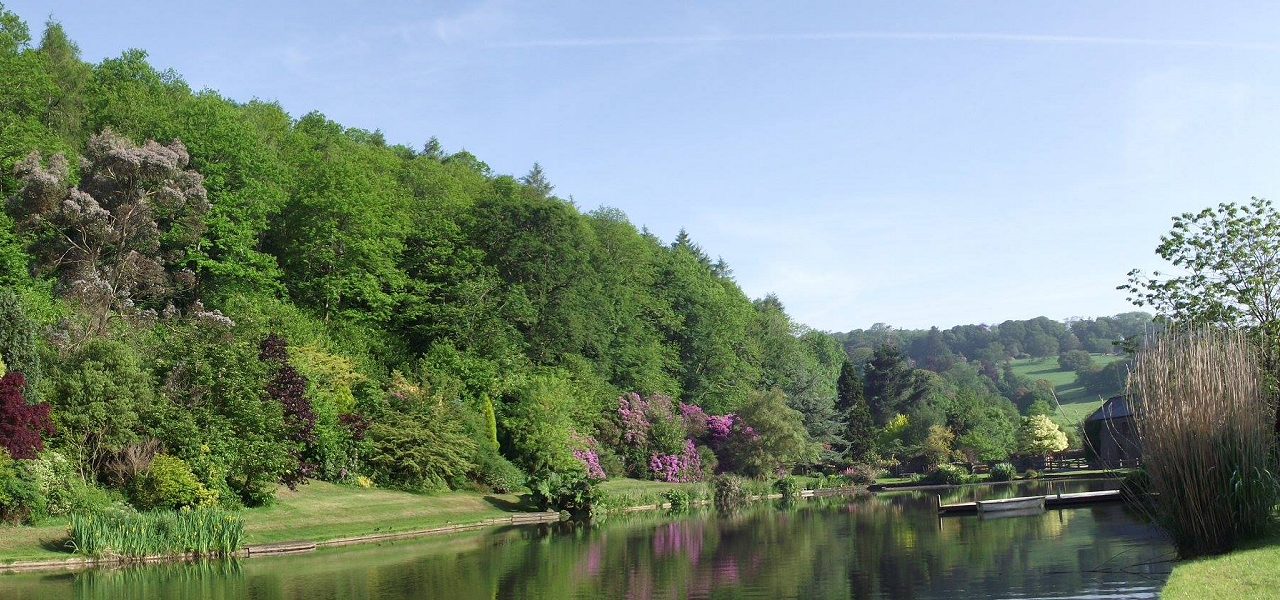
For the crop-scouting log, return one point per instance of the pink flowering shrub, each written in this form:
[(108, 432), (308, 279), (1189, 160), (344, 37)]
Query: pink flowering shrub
[(648, 426), (695, 420), (632, 409), (672, 441), (591, 461), (588, 454), (720, 427), (677, 468)]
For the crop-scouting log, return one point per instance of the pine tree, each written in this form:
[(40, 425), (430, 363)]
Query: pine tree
[(432, 149), (859, 431), (537, 181)]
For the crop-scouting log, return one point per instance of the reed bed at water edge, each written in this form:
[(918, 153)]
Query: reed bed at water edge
[(1205, 426), (130, 535)]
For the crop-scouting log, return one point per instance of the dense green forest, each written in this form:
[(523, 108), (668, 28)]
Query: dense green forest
[(203, 299)]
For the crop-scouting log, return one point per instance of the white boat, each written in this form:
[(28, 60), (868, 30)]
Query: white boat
[(1031, 503)]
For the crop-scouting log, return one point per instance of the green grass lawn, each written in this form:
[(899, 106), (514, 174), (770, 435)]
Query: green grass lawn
[(321, 511), (1253, 572), (44, 542), (640, 486), (1076, 402), (317, 511), (622, 493)]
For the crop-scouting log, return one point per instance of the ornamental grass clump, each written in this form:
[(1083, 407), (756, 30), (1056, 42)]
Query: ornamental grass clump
[(125, 535), (1207, 441)]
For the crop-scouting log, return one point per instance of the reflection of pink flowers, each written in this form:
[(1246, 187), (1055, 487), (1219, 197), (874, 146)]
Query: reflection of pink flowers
[(595, 558), (677, 468), (727, 570), (683, 537)]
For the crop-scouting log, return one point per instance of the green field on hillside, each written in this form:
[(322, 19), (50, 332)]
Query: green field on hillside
[(1076, 402)]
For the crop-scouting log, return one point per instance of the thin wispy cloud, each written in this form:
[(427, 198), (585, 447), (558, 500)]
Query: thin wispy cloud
[(902, 36)]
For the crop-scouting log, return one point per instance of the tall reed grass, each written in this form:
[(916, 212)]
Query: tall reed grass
[(1205, 426), (132, 536)]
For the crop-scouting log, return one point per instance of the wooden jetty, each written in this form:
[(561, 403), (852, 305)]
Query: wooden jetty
[(1050, 501)]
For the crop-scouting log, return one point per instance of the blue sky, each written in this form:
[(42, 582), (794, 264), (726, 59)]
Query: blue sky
[(906, 163)]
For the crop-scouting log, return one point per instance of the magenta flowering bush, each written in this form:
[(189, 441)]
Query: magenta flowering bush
[(678, 468), (632, 409), (591, 460), (660, 438), (695, 420), (588, 454), (720, 427)]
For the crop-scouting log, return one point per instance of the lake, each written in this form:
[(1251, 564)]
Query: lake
[(890, 545)]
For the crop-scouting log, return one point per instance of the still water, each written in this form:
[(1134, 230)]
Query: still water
[(872, 546)]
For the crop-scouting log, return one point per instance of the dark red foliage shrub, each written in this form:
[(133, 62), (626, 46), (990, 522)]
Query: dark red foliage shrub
[(358, 425), (289, 388), (274, 350), (21, 424)]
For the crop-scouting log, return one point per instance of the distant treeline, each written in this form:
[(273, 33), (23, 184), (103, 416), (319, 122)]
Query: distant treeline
[(938, 349)]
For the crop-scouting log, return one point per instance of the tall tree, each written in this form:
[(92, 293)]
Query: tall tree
[(718, 365), (859, 430), (887, 376), (118, 241), (1228, 264), (341, 235), (68, 110), (536, 180)]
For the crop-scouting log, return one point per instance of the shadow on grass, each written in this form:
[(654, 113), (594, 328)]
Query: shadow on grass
[(62, 544), (524, 505)]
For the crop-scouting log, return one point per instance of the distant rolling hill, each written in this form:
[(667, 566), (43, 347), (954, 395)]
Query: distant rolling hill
[(1076, 402)]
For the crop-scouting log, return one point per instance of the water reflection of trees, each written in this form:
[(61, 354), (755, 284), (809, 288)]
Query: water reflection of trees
[(872, 547)]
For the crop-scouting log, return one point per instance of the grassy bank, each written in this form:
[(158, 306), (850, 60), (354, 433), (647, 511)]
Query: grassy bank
[(317, 511), (1251, 572), (322, 511)]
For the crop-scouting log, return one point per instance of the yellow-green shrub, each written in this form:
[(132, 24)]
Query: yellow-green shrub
[(169, 483)]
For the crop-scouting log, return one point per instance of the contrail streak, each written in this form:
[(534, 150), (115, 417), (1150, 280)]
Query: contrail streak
[(1010, 38)]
